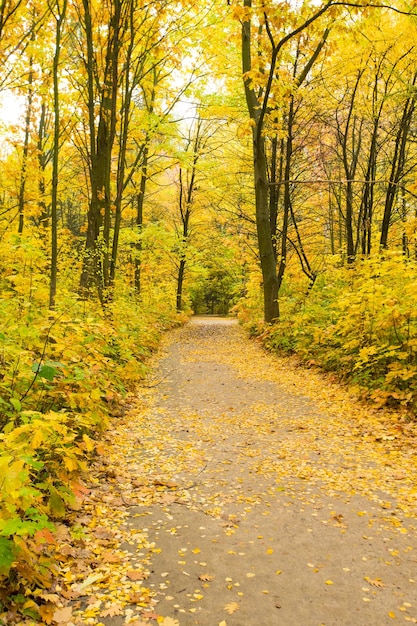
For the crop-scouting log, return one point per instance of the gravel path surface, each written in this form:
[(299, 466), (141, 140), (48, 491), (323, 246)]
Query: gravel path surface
[(273, 508)]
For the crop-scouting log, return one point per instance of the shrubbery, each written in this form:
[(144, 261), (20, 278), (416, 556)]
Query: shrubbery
[(359, 321), (63, 375)]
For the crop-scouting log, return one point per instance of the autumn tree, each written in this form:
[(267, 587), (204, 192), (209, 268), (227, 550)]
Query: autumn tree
[(260, 74)]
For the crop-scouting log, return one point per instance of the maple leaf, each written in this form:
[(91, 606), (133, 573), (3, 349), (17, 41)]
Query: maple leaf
[(111, 557), (47, 612), (231, 607), (112, 610), (150, 615), (135, 597), (44, 536), (63, 616)]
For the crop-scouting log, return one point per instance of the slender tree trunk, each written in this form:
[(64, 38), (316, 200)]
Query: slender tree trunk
[(124, 133), (180, 283), (59, 18), (91, 273), (185, 202), (42, 163), (139, 217), (398, 163), (23, 171), (139, 225)]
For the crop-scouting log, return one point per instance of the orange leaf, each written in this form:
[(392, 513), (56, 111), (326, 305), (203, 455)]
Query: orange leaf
[(136, 574)]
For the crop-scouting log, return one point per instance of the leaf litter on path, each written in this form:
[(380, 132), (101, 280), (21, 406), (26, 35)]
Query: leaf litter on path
[(238, 466)]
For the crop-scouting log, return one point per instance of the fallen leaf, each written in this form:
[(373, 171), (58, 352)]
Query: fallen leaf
[(103, 533), (111, 557), (46, 612), (136, 574), (90, 580), (206, 577), (135, 597), (63, 616), (169, 621), (165, 483), (111, 611), (231, 608), (150, 615), (376, 582)]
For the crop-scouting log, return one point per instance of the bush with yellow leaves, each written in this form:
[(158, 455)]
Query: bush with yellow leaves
[(361, 322)]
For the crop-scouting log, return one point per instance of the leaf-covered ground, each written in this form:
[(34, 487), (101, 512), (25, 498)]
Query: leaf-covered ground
[(242, 490)]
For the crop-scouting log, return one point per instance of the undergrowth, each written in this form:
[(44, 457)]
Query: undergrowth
[(359, 321), (64, 374)]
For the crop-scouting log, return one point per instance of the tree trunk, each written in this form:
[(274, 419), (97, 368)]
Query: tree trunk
[(59, 18), (398, 163), (43, 159), (263, 224), (23, 172), (96, 267), (139, 223), (180, 282)]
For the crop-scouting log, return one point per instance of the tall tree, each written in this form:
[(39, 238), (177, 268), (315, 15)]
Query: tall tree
[(58, 11), (260, 76)]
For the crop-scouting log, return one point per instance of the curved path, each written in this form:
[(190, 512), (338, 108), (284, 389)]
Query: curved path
[(256, 493)]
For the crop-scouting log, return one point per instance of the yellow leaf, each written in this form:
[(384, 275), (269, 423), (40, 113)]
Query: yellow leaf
[(231, 608), (37, 439), (392, 615), (95, 394), (270, 551), (377, 582), (89, 445), (329, 582), (70, 464), (169, 621)]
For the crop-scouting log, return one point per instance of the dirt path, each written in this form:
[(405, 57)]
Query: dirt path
[(239, 500)]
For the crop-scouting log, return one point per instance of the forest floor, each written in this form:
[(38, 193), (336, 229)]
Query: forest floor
[(244, 490)]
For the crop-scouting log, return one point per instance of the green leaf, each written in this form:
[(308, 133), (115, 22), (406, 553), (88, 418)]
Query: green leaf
[(44, 371), (7, 555), (16, 404), (33, 463)]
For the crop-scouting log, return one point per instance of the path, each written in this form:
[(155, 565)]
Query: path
[(247, 503)]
